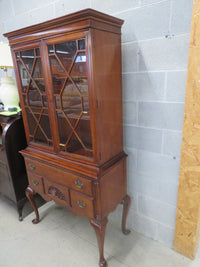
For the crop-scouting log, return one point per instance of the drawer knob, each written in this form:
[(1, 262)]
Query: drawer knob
[(81, 204), (32, 166), (79, 184), (35, 183)]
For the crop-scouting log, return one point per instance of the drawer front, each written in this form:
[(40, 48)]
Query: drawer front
[(58, 193), (64, 177), (36, 183), (82, 205)]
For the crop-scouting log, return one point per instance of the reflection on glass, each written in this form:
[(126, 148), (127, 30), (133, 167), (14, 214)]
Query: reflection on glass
[(45, 125), (28, 58), (80, 66), (17, 55), (38, 73), (66, 52), (58, 75), (37, 51), (31, 121), (81, 44), (40, 86), (44, 100), (71, 99), (50, 49), (24, 76), (85, 105), (25, 100), (34, 98), (83, 133), (82, 85)]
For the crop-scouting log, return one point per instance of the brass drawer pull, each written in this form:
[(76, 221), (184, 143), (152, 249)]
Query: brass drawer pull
[(35, 183), (79, 184), (81, 204), (32, 166)]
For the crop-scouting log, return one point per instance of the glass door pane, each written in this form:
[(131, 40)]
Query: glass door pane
[(34, 95), (68, 63)]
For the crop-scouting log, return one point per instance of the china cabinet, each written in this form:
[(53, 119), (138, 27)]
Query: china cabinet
[(13, 178), (68, 73)]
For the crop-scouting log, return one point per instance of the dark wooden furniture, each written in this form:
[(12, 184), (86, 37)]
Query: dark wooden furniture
[(13, 178), (69, 78)]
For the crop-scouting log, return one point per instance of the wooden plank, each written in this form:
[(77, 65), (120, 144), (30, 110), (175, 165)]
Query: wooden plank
[(188, 205)]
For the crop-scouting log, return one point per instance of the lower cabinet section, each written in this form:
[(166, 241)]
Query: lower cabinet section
[(83, 205), (78, 203), (93, 197), (58, 193), (36, 183)]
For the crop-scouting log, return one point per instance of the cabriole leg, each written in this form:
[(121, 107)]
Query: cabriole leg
[(30, 196), (126, 206), (100, 228), (20, 206)]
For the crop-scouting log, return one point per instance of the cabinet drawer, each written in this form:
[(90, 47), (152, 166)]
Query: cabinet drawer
[(36, 183), (58, 193), (82, 205), (64, 177)]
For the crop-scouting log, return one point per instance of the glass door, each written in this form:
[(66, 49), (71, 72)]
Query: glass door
[(68, 63), (34, 95)]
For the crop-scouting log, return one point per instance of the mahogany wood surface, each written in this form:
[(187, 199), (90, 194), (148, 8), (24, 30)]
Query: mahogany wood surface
[(68, 73), (13, 177)]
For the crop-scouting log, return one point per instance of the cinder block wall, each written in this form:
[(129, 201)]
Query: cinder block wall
[(155, 46)]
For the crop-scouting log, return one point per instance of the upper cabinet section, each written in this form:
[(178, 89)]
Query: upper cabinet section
[(84, 19), (68, 72)]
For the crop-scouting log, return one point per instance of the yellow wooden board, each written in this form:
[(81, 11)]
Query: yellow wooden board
[(188, 204)]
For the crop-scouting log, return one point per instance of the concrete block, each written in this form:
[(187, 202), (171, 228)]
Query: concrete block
[(172, 143), (143, 138), (149, 2), (161, 115), (130, 112), (164, 53), (2, 31), (131, 162), (33, 17), (148, 86), (64, 7), (157, 210), (130, 57), (143, 224), (5, 10), (23, 6), (113, 6), (176, 85), (158, 166), (181, 16), (160, 189), (142, 23), (165, 235), (167, 191)]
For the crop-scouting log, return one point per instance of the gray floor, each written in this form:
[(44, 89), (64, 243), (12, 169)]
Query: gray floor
[(64, 240)]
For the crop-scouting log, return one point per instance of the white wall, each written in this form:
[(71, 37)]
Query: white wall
[(155, 45)]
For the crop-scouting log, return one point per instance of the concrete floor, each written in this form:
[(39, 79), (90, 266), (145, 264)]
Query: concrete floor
[(64, 240)]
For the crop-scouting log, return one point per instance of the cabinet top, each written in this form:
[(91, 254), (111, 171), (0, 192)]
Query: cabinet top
[(84, 19)]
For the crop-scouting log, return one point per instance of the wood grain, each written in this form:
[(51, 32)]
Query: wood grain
[(188, 205)]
